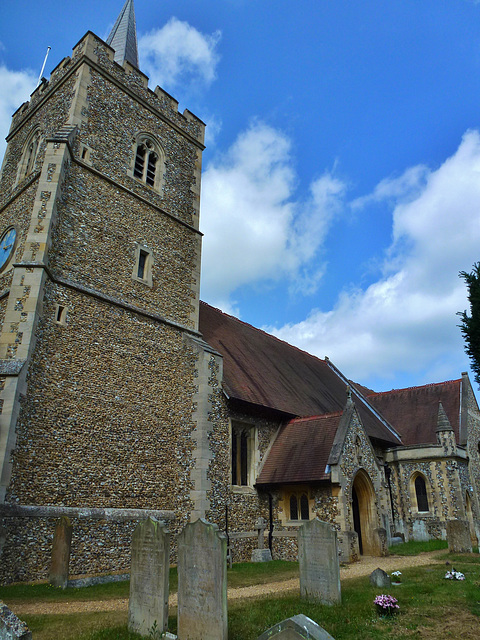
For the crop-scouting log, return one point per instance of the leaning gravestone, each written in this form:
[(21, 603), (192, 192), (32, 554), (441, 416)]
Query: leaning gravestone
[(319, 564), (11, 628), (296, 628), (458, 536), (379, 578), (148, 602), (202, 583), (62, 542)]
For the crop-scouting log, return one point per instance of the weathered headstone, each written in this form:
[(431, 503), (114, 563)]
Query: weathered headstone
[(379, 578), (11, 627), (202, 582), (148, 602), (348, 546), (296, 628), (458, 536), (319, 564), (261, 554), (62, 543), (381, 539)]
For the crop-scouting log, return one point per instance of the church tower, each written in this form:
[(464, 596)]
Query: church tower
[(99, 293)]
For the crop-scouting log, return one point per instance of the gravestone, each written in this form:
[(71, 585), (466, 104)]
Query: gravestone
[(11, 627), (148, 602), (382, 541), (202, 582), (261, 554), (458, 536), (318, 561), (62, 543), (379, 578), (296, 628)]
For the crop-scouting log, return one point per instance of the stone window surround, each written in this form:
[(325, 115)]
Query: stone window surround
[(284, 505), (60, 314), (413, 493), (143, 138), (236, 426), (140, 250), (29, 155)]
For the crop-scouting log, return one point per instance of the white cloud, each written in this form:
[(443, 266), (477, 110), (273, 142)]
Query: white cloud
[(254, 228), (178, 53), (16, 89), (406, 321)]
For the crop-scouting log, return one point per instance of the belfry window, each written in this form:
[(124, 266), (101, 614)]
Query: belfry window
[(30, 151), (421, 493), (148, 162)]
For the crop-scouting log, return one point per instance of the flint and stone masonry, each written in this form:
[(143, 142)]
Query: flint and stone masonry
[(81, 428)]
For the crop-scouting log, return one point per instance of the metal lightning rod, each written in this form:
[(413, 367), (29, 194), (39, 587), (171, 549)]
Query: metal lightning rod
[(43, 66)]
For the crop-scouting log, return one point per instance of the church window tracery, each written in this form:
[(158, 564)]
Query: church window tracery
[(29, 156), (148, 166)]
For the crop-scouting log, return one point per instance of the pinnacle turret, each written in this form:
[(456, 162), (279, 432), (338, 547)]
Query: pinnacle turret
[(123, 37), (443, 423)]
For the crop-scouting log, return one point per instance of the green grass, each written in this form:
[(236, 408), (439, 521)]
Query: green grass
[(250, 573), (413, 547), (430, 607), (240, 575), (46, 593)]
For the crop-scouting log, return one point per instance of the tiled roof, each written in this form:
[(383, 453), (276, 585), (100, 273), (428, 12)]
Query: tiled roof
[(414, 411), (262, 370), (300, 452)]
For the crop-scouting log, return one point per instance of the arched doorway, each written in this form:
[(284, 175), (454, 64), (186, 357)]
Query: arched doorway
[(364, 514)]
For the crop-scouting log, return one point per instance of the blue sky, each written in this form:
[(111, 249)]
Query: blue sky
[(341, 187)]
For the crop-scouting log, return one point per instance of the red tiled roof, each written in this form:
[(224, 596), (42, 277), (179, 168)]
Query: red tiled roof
[(262, 370), (300, 452), (414, 411)]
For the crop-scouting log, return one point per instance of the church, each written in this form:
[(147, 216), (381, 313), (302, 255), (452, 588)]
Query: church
[(123, 396)]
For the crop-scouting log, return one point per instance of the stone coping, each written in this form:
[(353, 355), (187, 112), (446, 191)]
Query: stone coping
[(92, 513)]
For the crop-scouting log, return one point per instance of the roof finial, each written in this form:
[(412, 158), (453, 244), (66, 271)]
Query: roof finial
[(123, 37), (349, 394)]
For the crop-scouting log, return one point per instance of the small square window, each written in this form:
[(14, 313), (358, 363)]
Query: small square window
[(60, 314), (142, 269)]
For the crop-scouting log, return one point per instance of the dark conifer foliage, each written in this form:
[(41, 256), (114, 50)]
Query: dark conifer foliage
[(470, 325)]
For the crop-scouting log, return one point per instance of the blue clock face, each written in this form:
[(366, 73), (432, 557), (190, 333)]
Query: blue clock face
[(7, 244)]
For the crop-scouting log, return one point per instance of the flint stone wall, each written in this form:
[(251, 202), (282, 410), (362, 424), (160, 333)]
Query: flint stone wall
[(100, 544)]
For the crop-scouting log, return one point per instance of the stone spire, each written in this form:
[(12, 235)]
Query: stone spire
[(123, 37), (443, 423)]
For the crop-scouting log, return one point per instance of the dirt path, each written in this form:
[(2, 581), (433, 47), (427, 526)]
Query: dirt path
[(362, 568)]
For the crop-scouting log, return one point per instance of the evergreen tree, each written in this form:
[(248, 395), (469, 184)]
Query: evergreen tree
[(470, 325)]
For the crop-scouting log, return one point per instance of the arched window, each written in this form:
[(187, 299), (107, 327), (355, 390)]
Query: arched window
[(299, 506), (30, 151), (293, 508), (421, 493), (304, 509), (148, 164), (243, 454)]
